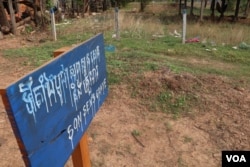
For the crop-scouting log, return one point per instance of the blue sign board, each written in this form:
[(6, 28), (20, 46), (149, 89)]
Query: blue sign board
[(53, 106)]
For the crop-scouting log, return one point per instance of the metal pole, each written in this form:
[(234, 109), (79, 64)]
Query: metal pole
[(184, 25), (117, 32), (53, 25)]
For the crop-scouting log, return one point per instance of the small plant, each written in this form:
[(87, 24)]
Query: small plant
[(28, 29), (181, 163), (151, 66), (179, 102), (169, 126), (164, 97), (187, 139), (135, 133), (173, 103)]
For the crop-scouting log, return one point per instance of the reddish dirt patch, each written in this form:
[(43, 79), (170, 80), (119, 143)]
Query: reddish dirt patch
[(220, 121)]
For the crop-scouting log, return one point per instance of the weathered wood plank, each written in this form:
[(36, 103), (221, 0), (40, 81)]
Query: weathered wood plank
[(61, 51), (80, 156)]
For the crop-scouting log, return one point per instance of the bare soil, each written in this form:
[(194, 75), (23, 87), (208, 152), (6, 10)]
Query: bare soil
[(125, 133)]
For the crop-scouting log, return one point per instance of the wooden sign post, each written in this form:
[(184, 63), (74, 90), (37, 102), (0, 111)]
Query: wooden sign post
[(51, 108)]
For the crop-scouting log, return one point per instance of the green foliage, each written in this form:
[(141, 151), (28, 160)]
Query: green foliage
[(28, 29), (38, 55), (187, 139), (168, 126), (49, 4), (171, 103), (135, 133)]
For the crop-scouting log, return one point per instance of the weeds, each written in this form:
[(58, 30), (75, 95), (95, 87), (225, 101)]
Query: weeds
[(171, 103), (187, 139), (135, 133), (181, 162), (169, 126)]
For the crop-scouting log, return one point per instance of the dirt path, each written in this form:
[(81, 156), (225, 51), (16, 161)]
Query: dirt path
[(126, 133)]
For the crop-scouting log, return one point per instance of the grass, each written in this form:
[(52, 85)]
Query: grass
[(187, 139), (181, 162), (176, 104), (136, 133), (38, 55), (168, 125), (147, 45)]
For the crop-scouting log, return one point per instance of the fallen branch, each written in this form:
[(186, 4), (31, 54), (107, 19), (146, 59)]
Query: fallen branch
[(22, 22), (138, 141)]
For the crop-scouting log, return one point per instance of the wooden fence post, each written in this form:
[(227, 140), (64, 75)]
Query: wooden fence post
[(80, 156)]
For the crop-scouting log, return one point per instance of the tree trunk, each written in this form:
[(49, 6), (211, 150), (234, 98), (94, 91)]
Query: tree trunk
[(180, 7), (84, 7), (212, 7), (223, 8), (202, 10), (12, 17), (72, 8), (105, 6), (43, 24), (3, 16), (237, 10), (191, 8), (247, 9), (35, 12), (142, 6), (16, 6)]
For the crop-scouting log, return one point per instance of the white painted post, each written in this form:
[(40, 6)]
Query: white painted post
[(53, 24), (184, 12), (117, 32)]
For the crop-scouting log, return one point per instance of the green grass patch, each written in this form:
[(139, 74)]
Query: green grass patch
[(170, 102), (38, 55)]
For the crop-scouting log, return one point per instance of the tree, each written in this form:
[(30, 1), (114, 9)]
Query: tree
[(212, 7), (237, 10), (12, 17), (247, 8), (142, 5), (3, 18), (192, 7)]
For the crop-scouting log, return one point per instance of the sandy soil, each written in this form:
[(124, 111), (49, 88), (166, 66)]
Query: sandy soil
[(221, 121)]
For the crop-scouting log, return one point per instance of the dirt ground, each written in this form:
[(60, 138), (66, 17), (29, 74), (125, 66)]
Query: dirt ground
[(220, 122)]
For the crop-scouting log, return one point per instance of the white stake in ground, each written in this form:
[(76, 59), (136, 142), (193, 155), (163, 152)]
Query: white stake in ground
[(184, 12), (117, 31), (53, 24)]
